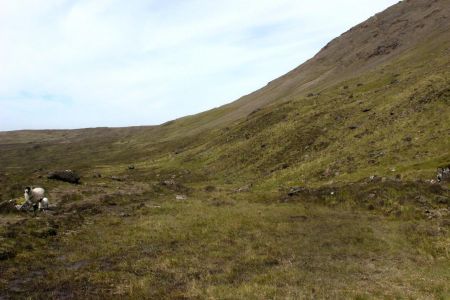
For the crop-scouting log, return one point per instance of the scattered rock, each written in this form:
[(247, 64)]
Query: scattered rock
[(394, 81), (442, 200), (443, 174), (46, 232), (181, 197), (222, 202), (131, 167), (245, 188), (298, 218), (77, 265), (295, 190), (107, 200), (329, 172), (6, 253), (117, 178), (433, 214), (252, 113), (375, 178), (173, 185), (407, 138), (97, 175), (210, 188), (139, 206), (169, 182), (445, 223), (284, 165), (384, 49), (281, 166), (366, 110), (8, 206), (66, 176), (422, 200)]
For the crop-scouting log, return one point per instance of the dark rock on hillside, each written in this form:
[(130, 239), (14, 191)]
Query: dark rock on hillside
[(118, 178), (7, 206), (174, 186), (442, 200), (443, 174), (295, 190), (384, 49), (66, 176), (210, 188), (6, 253), (244, 189), (281, 166), (45, 232)]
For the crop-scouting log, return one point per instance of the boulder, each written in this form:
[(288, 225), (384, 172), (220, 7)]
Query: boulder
[(66, 176), (117, 178), (181, 197), (243, 189), (6, 253), (443, 174), (296, 190), (442, 200), (8, 206), (174, 186)]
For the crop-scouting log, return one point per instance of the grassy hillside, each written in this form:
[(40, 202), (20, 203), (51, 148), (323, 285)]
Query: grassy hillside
[(315, 186)]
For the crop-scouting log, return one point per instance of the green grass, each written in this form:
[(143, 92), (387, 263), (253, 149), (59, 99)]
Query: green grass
[(142, 243)]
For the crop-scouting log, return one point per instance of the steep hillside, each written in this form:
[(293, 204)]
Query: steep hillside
[(319, 185), (383, 37)]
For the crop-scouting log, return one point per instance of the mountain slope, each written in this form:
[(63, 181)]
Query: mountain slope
[(367, 45)]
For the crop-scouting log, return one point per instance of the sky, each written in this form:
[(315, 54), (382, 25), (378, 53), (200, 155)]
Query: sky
[(90, 63)]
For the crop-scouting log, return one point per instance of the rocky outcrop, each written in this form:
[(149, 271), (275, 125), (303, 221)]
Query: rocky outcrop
[(66, 176), (443, 174)]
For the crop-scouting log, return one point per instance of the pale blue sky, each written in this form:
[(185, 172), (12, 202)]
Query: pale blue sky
[(88, 63)]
